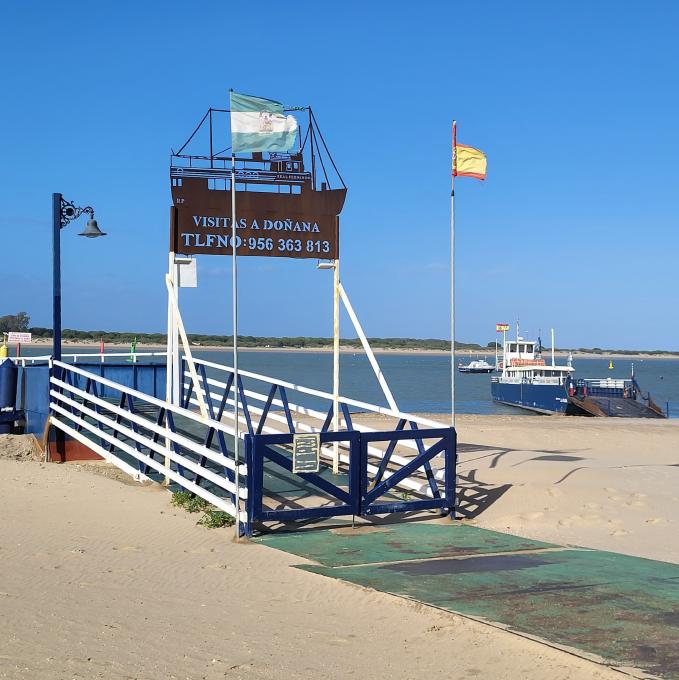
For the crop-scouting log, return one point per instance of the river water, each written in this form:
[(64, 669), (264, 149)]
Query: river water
[(421, 382)]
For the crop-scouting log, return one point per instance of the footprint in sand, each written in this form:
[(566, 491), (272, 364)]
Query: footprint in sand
[(591, 517), (592, 506), (619, 532), (616, 499), (556, 493), (532, 515), (569, 521), (636, 504), (656, 520)]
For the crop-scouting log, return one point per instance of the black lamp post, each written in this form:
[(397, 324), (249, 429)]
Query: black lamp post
[(64, 212)]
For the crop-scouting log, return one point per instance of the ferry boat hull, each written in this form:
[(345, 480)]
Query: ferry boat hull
[(545, 399)]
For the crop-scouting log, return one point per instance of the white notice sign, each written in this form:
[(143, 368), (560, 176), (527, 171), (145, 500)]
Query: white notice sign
[(306, 453), (20, 338), (188, 274)]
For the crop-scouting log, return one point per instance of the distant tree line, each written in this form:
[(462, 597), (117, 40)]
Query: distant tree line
[(21, 322), (251, 340)]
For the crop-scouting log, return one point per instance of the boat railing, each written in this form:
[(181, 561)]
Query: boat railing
[(522, 380), (611, 383)]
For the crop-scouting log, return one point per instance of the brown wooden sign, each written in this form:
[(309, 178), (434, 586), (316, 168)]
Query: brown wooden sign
[(271, 224)]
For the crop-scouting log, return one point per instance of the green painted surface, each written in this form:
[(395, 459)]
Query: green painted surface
[(413, 541), (624, 609)]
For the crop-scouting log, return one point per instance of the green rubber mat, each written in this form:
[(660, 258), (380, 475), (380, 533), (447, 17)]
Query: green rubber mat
[(396, 542), (621, 608)]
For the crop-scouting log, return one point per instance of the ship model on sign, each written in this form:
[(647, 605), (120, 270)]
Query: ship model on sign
[(286, 204)]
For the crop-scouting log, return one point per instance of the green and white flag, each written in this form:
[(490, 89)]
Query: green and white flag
[(259, 124)]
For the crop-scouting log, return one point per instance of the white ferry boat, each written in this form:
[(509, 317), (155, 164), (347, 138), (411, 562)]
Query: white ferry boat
[(528, 382)]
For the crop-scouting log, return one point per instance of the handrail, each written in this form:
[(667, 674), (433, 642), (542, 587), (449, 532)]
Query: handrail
[(324, 395), (294, 408), (148, 398), (74, 356), (163, 431)]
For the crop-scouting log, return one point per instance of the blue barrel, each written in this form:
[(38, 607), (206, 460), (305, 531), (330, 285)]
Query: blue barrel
[(8, 395)]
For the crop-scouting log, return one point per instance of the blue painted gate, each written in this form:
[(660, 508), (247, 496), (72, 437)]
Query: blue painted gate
[(361, 489)]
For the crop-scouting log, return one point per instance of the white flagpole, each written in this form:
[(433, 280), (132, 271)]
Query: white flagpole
[(234, 306), (452, 282)]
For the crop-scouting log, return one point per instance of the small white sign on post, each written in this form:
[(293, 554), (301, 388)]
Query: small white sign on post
[(188, 274), (18, 338)]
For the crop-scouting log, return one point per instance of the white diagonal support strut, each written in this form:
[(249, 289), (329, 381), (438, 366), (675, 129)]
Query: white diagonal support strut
[(368, 350), (172, 295)]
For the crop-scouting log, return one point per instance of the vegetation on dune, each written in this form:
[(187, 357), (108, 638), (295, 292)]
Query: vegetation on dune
[(21, 321), (212, 517)]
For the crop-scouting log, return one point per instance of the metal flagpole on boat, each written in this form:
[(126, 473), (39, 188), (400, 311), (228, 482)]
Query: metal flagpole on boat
[(234, 306), (452, 281)]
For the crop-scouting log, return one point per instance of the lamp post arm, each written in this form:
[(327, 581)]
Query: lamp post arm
[(69, 212)]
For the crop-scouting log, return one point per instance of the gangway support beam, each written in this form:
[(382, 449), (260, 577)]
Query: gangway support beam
[(368, 350), (172, 295)]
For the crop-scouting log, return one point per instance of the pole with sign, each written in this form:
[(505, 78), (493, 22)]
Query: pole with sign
[(275, 209), (501, 328), (18, 338), (234, 308)]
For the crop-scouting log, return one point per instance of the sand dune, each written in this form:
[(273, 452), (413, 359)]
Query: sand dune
[(99, 579), (611, 484)]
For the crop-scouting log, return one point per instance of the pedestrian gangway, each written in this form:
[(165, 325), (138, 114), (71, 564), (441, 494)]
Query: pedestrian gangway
[(373, 460)]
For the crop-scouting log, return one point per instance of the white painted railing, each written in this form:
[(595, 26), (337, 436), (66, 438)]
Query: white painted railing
[(75, 357), (305, 419), (613, 383), (76, 418)]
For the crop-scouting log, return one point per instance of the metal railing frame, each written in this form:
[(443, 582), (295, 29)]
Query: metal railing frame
[(74, 410)]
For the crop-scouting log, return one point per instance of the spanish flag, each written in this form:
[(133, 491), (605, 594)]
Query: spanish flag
[(467, 161)]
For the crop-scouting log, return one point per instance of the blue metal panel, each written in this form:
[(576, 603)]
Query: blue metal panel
[(33, 396), (146, 378), (33, 386)]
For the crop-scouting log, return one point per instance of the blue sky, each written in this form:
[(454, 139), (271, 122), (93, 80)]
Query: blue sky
[(575, 104)]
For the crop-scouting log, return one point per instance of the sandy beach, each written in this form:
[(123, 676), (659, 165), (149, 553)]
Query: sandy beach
[(461, 354), (611, 484), (103, 578)]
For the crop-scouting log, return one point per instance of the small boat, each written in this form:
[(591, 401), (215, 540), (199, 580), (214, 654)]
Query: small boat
[(477, 366)]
